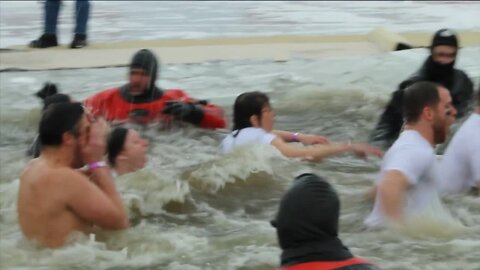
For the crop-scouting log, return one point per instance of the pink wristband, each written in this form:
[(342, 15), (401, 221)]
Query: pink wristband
[(97, 164), (295, 137)]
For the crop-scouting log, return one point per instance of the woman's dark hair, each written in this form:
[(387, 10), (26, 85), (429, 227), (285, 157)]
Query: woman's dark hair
[(58, 119), (418, 96), (115, 143), (246, 105)]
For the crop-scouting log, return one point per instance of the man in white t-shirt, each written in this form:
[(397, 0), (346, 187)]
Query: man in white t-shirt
[(461, 161), (406, 183)]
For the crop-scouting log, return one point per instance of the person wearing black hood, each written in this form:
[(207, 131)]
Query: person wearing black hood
[(307, 235), (141, 101), (438, 68)]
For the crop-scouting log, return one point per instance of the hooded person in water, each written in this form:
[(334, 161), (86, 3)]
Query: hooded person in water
[(307, 228), (438, 68), (141, 101)]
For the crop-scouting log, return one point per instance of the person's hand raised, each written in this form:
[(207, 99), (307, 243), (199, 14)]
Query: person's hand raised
[(93, 142)]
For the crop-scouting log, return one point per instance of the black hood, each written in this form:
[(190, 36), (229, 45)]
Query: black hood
[(147, 61), (307, 222), (439, 73)]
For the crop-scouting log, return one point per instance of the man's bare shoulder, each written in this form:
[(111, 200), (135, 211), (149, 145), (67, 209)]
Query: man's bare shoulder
[(36, 171), (68, 175)]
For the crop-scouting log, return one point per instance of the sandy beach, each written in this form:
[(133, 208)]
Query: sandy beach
[(181, 51)]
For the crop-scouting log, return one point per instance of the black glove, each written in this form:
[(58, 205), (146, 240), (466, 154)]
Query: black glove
[(183, 111)]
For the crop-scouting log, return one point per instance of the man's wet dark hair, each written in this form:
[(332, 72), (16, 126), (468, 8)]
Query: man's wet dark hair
[(115, 143), (56, 120), (418, 96), (246, 105)]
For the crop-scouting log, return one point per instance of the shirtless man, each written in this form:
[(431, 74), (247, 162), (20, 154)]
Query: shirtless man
[(54, 198)]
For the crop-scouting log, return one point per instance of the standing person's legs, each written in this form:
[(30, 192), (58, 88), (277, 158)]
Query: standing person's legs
[(82, 12), (50, 20), (52, 7)]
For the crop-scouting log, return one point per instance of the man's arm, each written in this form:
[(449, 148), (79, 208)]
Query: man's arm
[(99, 204), (475, 163), (392, 191), (107, 211)]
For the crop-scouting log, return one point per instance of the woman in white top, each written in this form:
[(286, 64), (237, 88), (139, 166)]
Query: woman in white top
[(126, 150), (253, 121)]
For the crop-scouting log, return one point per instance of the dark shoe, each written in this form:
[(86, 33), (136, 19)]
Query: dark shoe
[(44, 41), (79, 41)]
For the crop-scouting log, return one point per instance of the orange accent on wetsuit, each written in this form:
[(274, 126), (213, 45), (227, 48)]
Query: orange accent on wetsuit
[(326, 265), (113, 107)]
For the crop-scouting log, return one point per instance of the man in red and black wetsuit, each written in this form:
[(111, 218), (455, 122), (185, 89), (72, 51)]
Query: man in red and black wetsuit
[(142, 101)]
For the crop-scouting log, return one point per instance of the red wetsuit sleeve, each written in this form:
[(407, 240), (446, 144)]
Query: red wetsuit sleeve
[(213, 115)]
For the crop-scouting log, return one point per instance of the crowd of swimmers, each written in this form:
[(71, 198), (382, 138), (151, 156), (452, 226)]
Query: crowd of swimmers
[(76, 142)]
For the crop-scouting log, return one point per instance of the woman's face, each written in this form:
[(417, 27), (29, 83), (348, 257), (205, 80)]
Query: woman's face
[(267, 118), (135, 149)]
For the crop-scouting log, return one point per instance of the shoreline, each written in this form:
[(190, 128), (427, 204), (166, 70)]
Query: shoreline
[(187, 51)]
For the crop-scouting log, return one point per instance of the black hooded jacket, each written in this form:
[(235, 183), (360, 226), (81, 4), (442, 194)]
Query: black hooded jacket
[(456, 81), (307, 224)]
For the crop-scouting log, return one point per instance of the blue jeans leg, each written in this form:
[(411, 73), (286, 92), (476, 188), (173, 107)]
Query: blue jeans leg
[(52, 8), (82, 11)]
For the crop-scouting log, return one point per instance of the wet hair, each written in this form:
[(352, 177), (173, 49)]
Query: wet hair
[(115, 143), (58, 119), (56, 98), (418, 96), (246, 105)]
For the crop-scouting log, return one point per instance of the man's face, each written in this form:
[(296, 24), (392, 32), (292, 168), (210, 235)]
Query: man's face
[(444, 117), (444, 54), (139, 81), (135, 150)]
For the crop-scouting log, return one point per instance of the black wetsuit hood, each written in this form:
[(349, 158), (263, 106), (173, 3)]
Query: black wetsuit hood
[(146, 60), (307, 223)]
